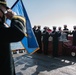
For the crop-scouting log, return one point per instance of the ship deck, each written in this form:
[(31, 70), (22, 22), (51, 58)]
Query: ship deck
[(40, 64)]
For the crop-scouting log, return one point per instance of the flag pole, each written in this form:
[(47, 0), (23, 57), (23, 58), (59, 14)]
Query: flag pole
[(14, 4)]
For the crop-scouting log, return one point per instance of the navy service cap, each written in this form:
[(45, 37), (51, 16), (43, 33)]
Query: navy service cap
[(3, 2)]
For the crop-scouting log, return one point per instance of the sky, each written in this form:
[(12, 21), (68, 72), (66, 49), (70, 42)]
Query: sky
[(50, 12)]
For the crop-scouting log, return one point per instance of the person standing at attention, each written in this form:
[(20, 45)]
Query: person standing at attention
[(34, 29), (66, 30), (74, 36), (45, 40), (38, 36), (55, 35)]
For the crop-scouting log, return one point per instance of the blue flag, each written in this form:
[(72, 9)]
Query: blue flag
[(30, 43)]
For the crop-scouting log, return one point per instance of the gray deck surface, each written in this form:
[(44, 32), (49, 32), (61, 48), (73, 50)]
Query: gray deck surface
[(39, 64)]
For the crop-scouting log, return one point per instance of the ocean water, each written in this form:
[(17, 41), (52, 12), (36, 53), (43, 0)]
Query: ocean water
[(16, 45)]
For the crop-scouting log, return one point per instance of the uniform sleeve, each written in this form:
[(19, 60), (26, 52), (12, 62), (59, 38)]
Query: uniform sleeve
[(16, 31), (18, 28), (52, 34)]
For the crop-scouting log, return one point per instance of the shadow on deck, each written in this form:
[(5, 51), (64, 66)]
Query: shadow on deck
[(39, 64)]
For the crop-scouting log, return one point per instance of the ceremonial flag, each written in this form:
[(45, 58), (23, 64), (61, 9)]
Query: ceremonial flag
[(30, 43)]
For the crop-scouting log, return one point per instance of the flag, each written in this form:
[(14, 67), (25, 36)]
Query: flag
[(30, 43)]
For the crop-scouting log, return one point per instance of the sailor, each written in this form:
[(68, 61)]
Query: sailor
[(45, 36), (14, 33), (66, 30), (38, 36), (74, 36), (55, 35), (34, 29)]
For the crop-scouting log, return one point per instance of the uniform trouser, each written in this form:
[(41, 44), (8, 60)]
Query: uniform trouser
[(40, 46), (55, 49), (45, 47), (7, 67)]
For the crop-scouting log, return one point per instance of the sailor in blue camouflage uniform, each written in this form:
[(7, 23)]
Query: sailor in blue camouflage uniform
[(14, 33)]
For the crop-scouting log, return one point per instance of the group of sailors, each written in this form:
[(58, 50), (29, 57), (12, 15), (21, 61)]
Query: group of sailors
[(56, 35)]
